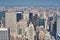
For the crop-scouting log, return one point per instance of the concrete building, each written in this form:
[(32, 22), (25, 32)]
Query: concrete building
[(10, 21), (45, 18), (58, 24), (35, 21), (40, 32), (52, 23), (31, 32), (26, 15), (41, 35), (22, 23), (2, 16), (47, 36), (30, 17), (4, 34)]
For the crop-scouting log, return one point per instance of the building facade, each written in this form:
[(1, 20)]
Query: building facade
[(10, 21), (4, 34)]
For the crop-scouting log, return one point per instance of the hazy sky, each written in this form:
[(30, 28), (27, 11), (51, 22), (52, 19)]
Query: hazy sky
[(30, 3)]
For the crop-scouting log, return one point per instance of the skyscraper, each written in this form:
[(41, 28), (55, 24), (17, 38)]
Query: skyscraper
[(53, 24), (30, 17), (58, 24), (23, 24), (35, 21), (2, 16), (31, 32), (19, 15), (10, 21), (26, 15)]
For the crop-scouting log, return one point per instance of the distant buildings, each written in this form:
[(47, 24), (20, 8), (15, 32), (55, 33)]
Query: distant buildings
[(31, 23), (58, 24)]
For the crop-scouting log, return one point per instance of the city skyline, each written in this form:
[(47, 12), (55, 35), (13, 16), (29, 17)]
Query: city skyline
[(29, 19)]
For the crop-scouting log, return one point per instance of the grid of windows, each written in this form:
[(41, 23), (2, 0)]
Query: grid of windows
[(3, 35)]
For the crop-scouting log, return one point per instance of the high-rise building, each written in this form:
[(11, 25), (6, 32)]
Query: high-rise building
[(2, 14), (52, 24), (30, 17), (2, 17), (37, 32), (22, 23), (35, 21), (41, 35), (45, 15), (40, 32), (31, 32), (4, 34), (19, 15), (10, 21), (26, 15), (58, 24)]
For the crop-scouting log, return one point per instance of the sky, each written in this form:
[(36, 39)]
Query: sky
[(55, 3)]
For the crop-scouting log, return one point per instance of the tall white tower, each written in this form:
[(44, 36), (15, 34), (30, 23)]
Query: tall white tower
[(31, 32), (45, 17)]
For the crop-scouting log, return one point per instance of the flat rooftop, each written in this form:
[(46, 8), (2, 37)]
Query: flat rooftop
[(3, 29)]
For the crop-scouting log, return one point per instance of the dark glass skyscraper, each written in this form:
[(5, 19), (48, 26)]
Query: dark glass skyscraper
[(30, 17), (53, 28), (35, 21), (19, 16), (49, 20)]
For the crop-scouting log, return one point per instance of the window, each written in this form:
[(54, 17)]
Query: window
[(41, 22), (20, 31)]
